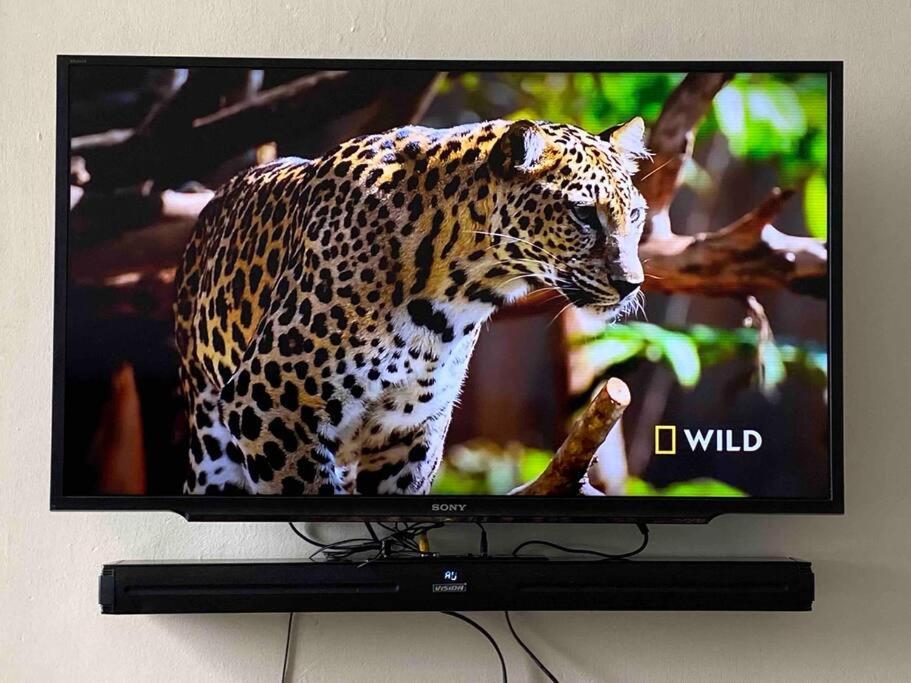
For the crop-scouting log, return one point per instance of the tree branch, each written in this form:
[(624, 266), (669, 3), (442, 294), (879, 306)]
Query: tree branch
[(748, 255), (671, 143), (565, 473), (97, 218), (187, 147)]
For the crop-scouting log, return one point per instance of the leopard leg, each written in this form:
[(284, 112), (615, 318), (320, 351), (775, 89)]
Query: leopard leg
[(284, 415), (399, 448), (404, 464), (215, 464), (394, 457), (287, 448)]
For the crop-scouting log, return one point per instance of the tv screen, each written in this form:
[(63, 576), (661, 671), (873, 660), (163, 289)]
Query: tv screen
[(349, 289)]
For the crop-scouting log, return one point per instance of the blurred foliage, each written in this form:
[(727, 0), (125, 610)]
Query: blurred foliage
[(815, 205), (782, 118), (695, 488), (591, 101), (687, 352), (779, 119), (482, 467)]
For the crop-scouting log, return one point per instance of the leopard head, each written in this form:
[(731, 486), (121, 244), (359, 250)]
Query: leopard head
[(566, 212)]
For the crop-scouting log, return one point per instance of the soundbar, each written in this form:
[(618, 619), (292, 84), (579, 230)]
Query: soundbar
[(456, 583)]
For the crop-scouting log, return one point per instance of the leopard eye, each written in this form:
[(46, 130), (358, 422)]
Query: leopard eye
[(635, 215), (585, 215)]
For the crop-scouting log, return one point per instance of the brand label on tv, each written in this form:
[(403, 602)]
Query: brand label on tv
[(449, 507), (706, 440)]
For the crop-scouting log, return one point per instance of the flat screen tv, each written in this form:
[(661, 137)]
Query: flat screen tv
[(423, 290)]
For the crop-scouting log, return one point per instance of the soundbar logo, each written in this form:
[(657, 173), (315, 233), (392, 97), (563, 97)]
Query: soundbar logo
[(707, 440), (448, 507)]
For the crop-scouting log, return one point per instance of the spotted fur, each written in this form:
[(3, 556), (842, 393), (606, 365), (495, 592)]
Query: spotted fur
[(327, 308)]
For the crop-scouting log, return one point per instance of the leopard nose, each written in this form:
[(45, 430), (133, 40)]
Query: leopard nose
[(624, 288)]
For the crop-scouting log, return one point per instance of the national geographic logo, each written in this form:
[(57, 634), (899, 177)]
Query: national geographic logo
[(706, 440)]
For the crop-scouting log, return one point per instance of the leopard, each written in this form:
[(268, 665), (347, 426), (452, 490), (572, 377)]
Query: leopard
[(327, 308)]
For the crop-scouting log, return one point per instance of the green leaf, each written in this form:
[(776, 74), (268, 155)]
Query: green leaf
[(695, 488), (730, 112), (608, 352), (500, 476), (702, 488), (696, 177), (450, 481), (700, 346), (763, 117), (677, 348), (634, 486), (773, 370), (532, 463), (683, 357), (815, 205)]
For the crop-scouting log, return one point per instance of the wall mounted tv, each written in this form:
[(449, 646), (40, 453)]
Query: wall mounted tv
[(515, 291)]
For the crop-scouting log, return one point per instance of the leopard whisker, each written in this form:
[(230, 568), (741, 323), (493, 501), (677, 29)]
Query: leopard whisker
[(518, 239), (640, 302), (656, 169), (555, 295), (559, 313), (534, 276), (543, 277)]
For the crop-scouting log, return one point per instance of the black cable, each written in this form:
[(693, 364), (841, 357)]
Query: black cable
[(399, 541), (309, 540), (487, 635), (483, 541), (287, 647), (372, 532), (643, 529), (338, 549), (528, 651)]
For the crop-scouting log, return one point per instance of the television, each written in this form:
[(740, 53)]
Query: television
[(317, 289)]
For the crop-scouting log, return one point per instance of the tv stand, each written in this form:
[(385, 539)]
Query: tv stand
[(463, 582)]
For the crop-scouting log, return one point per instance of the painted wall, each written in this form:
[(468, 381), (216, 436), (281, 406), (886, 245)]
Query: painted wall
[(50, 629)]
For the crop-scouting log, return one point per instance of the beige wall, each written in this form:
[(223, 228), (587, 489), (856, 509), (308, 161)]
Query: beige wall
[(50, 628)]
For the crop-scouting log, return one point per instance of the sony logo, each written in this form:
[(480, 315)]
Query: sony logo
[(448, 507)]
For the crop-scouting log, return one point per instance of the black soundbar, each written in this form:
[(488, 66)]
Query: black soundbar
[(456, 583)]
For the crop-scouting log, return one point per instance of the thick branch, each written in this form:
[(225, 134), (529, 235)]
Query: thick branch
[(98, 218), (117, 448), (185, 149), (121, 157), (135, 253), (565, 473), (748, 255), (671, 143), (609, 467)]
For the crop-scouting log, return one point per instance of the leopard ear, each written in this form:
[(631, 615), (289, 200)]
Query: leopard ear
[(627, 138), (521, 150)]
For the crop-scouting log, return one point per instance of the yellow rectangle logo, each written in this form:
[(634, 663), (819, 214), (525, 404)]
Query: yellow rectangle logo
[(663, 447)]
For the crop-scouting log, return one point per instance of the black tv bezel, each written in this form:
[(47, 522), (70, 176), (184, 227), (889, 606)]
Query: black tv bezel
[(457, 508)]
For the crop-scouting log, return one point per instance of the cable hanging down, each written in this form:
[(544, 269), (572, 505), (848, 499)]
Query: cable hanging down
[(487, 635), (284, 677), (528, 650)]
